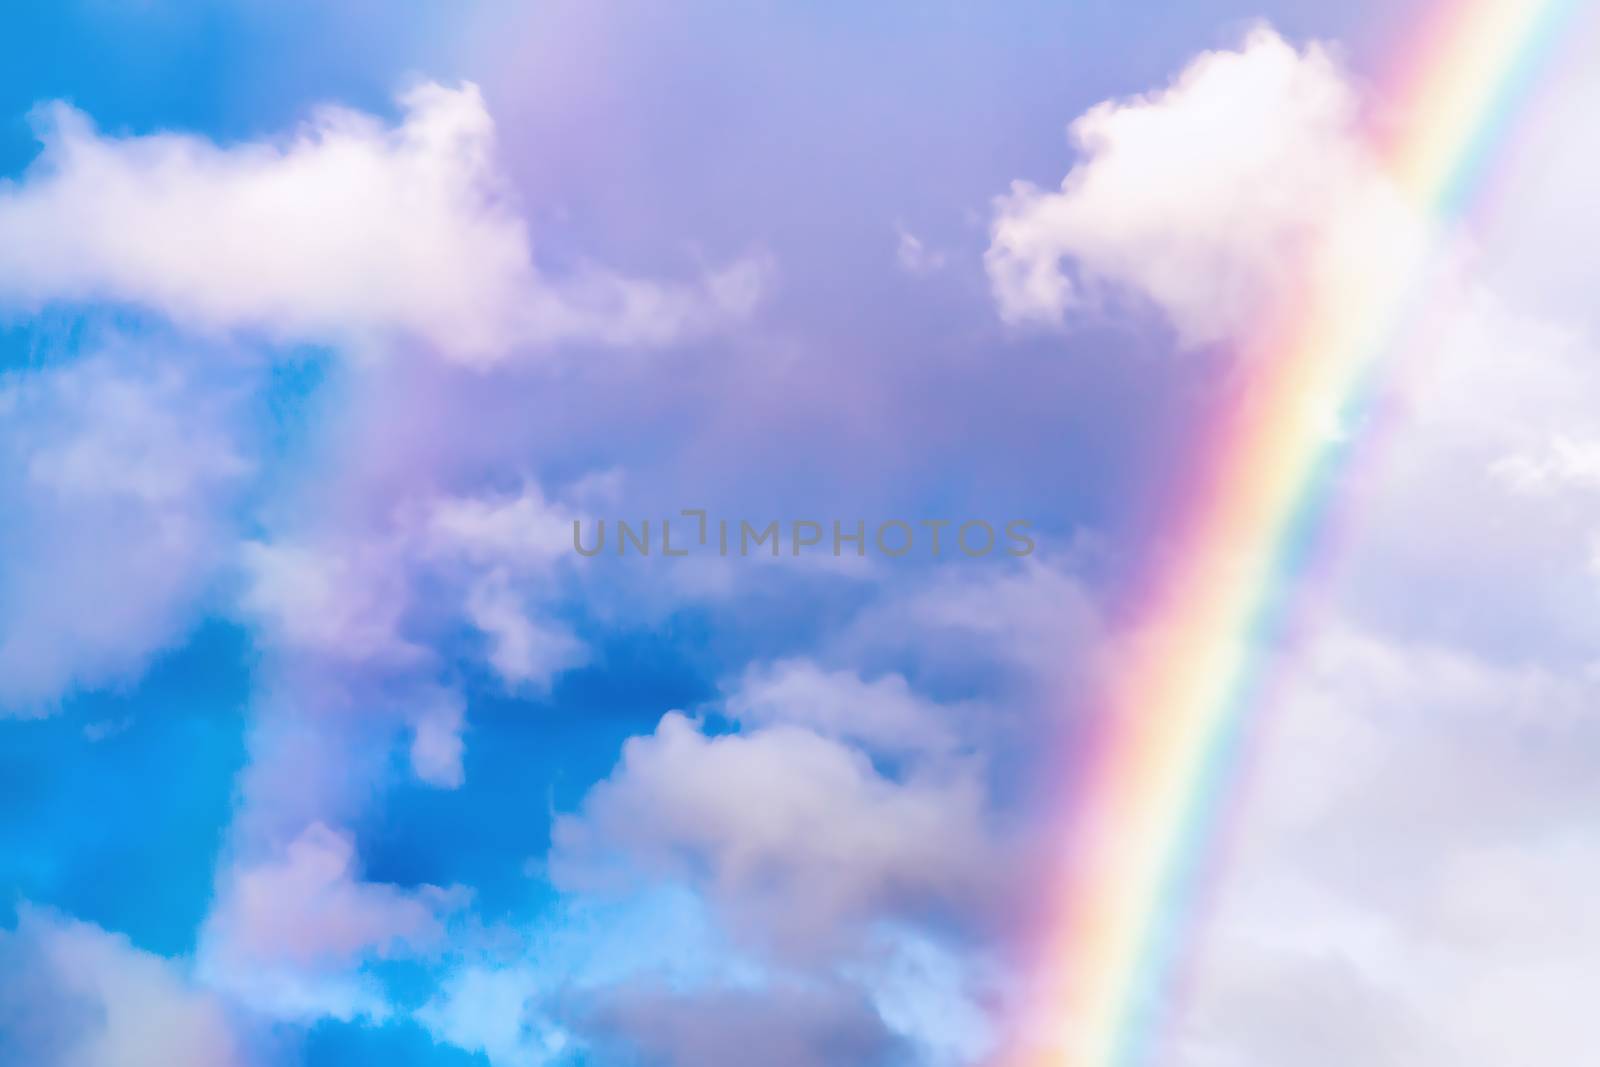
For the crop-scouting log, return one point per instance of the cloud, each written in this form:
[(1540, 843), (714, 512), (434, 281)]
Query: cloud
[(882, 715), (522, 1015), (513, 544), (542, 994), (309, 908), (1037, 621), (524, 651), (802, 1027), (74, 995), (436, 745), (937, 999), (795, 834), (494, 1011), (1484, 454), (1214, 199), (1409, 879), (343, 601), (1535, 234), (915, 257), (287, 933), (356, 608), (345, 231), (118, 476), (522, 530), (1562, 462), (359, 592)]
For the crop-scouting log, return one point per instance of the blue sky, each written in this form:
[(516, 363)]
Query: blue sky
[(320, 325)]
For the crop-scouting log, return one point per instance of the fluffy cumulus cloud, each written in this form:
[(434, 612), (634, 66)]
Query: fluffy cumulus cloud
[(797, 833), (345, 230), (1215, 198), (73, 995)]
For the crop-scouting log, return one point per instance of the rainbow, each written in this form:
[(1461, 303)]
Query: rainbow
[(1155, 781)]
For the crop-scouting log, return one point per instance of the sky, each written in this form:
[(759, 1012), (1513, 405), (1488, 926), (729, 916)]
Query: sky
[(322, 326)]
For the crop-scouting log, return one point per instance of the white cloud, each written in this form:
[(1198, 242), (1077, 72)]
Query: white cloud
[(74, 995), (340, 601), (797, 835), (134, 444), (1563, 462), (350, 594), (510, 547), (526, 652), (494, 1011), (309, 907), (116, 478), (930, 996), (523, 530), (345, 231), (541, 997), (1215, 198), (882, 715), (1486, 457), (1410, 882), (1036, 617), (436, 744), (286, 933), (354, 608)]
